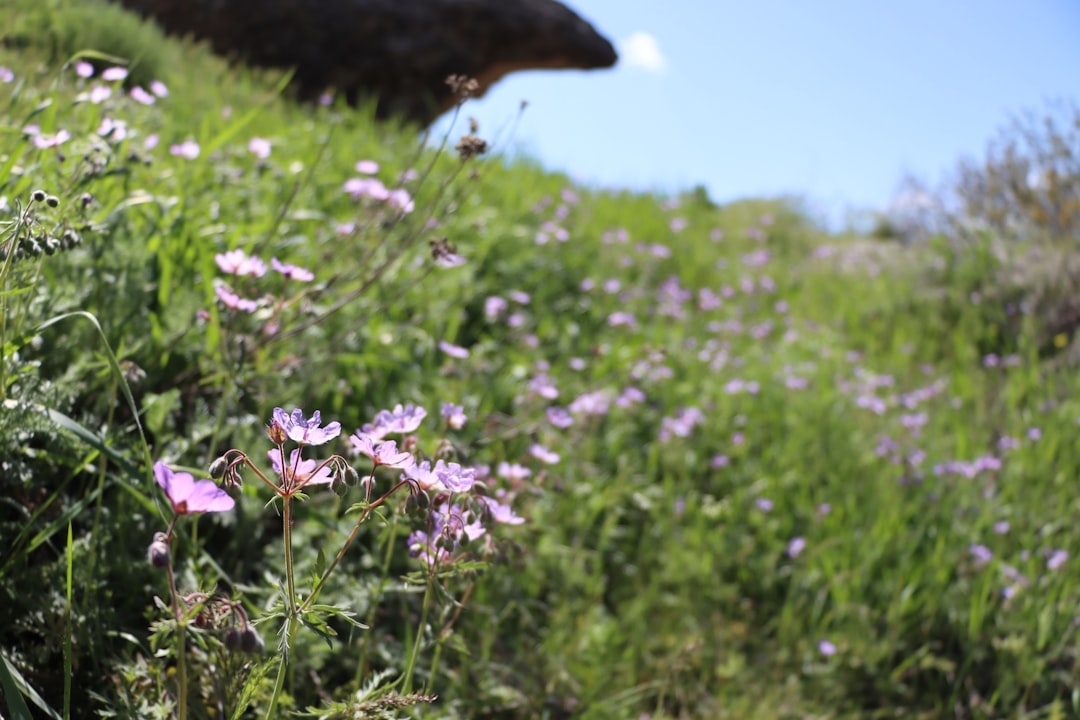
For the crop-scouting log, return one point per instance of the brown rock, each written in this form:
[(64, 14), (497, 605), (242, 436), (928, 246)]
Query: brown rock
[(400, 51)]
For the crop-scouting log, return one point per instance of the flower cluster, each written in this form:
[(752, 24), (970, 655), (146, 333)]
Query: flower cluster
[(241, 265), (359, 188)]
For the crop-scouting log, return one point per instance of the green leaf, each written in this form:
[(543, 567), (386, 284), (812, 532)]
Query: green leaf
[(15, 687)]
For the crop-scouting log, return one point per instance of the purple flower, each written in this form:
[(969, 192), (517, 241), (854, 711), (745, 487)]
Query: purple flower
[(454, 477), (292, 272), (367, 167), (796, 546), (366, 187), (189, 496), (594, 403), (513, 471), (454, 351), (1057, 559), (259, 147), (826, 648), (544, 386), (141, 96), (449, 526), (99, 94), (400, 200), (620, 318), (306, 432), (421, 474), (237, 262), (629, 396), (444, 477), (114, 74), (764, 504), (494, 307), (444, 258), (399, 420), (188, 149), (299, 473), (233, 301), (385, 454), (455, 415), (84, 69), (115, 130), (544, 455), (559, 417), (502, 513), (43, 142), (158, 88), (980, 554)]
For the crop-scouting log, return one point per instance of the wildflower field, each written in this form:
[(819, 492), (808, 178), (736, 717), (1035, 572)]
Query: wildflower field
[(305, 416)]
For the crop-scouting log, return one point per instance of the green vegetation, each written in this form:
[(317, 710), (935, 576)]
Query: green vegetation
[(765, 471)]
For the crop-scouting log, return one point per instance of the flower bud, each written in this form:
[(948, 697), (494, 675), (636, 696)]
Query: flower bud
[(234, 641), (277, 433), (351, 476), (38, 196), (251, 642), (339, 485), (158, 553), (218, 468), (52, 201)]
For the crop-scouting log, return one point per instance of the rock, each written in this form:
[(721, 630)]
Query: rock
[(400, 51)]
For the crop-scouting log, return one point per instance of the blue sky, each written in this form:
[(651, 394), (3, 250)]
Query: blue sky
[(833, 100)]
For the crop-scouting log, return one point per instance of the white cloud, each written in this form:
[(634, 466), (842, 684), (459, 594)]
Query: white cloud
[(641, 50)]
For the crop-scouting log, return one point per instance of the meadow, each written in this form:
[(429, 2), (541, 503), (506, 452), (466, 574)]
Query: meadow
[(586, 453)]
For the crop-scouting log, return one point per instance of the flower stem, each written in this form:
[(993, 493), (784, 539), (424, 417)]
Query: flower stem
[(411, 667), (348, 542), (181, 637), (286, 520), (361, 667), (445, 633), (283, 663), (290, 585)]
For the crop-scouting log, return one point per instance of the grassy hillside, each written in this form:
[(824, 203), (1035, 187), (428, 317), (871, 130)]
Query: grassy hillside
[(763, 471)]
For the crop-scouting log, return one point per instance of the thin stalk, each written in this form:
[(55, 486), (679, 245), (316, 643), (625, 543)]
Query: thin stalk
[(445, 633), (223, 408), (361, 666), (290, 584), (279, 684), (181, 637), (286, 519), (411, 667), (348, 542)]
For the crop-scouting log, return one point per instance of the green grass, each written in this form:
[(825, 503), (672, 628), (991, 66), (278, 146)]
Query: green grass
[(843, 446)]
